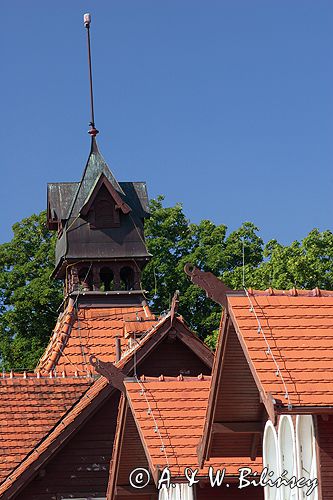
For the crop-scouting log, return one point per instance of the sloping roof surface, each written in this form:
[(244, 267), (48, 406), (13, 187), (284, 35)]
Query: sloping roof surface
[(29, 408), (80, 333), (178, 406), (45, 440), (60, 196), (94, 167), (298, 326)]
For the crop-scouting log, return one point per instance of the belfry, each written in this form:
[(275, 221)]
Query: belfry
[(100, 247)]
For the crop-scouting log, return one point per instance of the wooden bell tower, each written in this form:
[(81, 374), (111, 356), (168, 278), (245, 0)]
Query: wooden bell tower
[(100, 250)]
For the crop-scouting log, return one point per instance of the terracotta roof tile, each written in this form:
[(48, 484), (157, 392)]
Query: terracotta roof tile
[(179, 409), (80, 333), (16, 466), (299, 331), (90, 390), (29, 409)]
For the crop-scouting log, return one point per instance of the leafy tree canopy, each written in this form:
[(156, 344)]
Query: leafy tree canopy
[(29, 300)]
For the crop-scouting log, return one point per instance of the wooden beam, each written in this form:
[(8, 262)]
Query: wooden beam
[(254, 445), (127, 491), (240, 427)]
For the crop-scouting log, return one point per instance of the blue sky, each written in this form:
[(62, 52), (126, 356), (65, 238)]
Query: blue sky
[(225, 106)]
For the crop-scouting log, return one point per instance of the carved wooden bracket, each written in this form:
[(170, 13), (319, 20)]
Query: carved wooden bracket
[(215, 288), (109, 371), (174, 305)]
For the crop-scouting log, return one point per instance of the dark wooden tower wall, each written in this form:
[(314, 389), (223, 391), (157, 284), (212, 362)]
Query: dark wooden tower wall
[(100, 225)]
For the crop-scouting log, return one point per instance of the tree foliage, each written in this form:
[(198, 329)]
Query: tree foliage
[(29, 299), (173, 241)]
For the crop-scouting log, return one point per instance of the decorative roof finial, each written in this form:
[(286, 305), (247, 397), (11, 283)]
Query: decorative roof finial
[(93, 131)]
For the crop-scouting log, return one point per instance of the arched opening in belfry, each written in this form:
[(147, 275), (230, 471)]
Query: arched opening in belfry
[(107, 279), (126, 278), (85, 279)]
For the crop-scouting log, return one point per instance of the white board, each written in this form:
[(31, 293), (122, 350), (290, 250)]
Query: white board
[(178, 492), (270, 459), (287, 455), (306, 453)]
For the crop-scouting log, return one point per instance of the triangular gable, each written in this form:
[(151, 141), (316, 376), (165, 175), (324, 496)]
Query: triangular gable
[(94, 167), (287, 338), (169, 414), (276, 341), (166, 330), (102, 180), (234, 403), (128, 451)]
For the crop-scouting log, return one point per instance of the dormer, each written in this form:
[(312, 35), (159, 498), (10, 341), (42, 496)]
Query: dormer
[(103, 206)]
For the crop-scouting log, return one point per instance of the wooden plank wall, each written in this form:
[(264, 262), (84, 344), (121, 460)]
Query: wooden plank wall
[(231, 493), (82, 466), (171, 358), (325, 452)]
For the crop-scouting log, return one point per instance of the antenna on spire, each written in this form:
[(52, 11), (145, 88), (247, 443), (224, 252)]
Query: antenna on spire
[(93, 131)]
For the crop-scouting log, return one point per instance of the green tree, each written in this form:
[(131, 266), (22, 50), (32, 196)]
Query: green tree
[(173, 241), (28, 298)]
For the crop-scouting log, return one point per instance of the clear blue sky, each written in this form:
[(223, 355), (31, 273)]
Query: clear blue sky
[(225, 106)]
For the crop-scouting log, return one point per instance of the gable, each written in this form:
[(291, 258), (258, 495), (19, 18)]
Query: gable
[(237, 409), (238, 396), (173, 357), (103, 205), (102, 212), (81, 466), (95, 166)]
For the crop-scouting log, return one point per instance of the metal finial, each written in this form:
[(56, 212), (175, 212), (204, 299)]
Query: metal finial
[(93, 131)]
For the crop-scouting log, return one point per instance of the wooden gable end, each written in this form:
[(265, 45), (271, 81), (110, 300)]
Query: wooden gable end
[(179, 352), (235, 407), (81, 468), (128, 454), (103, 205)]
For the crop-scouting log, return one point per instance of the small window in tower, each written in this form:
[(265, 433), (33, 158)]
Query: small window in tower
[(127, 278), (106, 214), (103, 212), (85, 279), (106, 277)]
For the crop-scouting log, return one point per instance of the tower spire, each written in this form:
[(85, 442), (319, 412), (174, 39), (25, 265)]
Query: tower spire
[(92, 131)]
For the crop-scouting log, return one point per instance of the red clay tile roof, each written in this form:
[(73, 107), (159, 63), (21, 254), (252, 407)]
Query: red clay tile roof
[(97, 387), (29, 408), (80, 333), (40, 447), (298, 326), (178, 407)]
